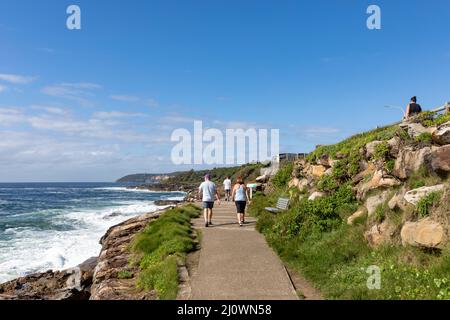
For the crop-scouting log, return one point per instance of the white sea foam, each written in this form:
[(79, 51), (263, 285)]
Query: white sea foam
[(37, 251)]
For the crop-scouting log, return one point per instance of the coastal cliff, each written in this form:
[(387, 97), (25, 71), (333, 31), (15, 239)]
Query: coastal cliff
[(98, 278)]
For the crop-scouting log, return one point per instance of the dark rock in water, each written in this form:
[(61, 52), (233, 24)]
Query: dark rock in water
[(70, 284), (167, 202)]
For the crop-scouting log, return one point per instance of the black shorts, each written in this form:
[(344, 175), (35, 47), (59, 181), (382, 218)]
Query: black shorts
[(240, 206), (208, 204)]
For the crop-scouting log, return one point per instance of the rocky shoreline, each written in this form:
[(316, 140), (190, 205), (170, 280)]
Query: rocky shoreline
[(106, 277)]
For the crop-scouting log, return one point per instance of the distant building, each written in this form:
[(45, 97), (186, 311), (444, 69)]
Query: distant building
[(291, 156)]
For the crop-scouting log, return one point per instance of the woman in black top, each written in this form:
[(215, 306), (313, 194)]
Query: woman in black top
[(412, 108)]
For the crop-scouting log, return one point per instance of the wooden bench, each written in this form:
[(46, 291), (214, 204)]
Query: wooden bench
[(282, 205)]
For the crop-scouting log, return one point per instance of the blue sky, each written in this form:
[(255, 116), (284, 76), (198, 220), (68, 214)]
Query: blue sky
[(101, 102)]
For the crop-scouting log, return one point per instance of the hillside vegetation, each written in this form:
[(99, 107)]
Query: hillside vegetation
[(381, 198)]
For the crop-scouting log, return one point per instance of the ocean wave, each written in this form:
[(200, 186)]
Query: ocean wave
[(31, 250)]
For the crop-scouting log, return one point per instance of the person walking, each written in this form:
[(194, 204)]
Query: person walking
[(240, 197), (207, 191), (227, 188)]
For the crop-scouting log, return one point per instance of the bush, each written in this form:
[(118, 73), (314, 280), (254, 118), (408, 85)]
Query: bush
[(425, 137), (426, 203), (283, 176), (381, 151)]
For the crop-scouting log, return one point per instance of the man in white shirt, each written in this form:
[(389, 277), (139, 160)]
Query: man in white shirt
[(227, 188), (208, 191)]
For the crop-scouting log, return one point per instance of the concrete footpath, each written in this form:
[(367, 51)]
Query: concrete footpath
[(236, 263)]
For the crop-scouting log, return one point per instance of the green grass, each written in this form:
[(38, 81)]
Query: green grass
[(159, 247), (125, 274), (426, 203), (312, 238)]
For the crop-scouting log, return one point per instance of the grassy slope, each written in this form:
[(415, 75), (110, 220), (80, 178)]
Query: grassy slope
[(313, 238), (158, 248)]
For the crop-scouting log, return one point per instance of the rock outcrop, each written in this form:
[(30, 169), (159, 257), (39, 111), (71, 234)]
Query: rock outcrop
[(379, 234), (414, 196), (424, 233), (440, 159), (71, 284), (410, 160), (373, 202), (113, 261), (442, 134)]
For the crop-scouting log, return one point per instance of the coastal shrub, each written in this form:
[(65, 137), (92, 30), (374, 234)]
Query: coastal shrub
[(381, 151), (283, 176), (352, 145), (389, 165), (430, 119), (160, 245), (125, 274), (425, 138), (327, 183), (426, 203)]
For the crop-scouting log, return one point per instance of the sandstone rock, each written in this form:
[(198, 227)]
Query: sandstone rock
[(371, 147), (440, 159), (378, 234), (114, 257), (415, 195), (302, 184), (356, 215), (416, 129), (394, 146), (369, 168), (398, 201), (442, 134), (379, 180), (410, 160), (316, 195), (71, 284), (293, 183), (424, 233), (373, 202), (318, 171)]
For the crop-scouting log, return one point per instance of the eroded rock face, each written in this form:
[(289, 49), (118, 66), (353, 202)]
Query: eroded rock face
[(71, 284), (394, 146), (379, 180), (114, 258), (440, 159), (409, 161), (378, 234), (415, 195), (416, 129), (373, 202), (317, 171), (442, 134), (371, 147), (424, 233)]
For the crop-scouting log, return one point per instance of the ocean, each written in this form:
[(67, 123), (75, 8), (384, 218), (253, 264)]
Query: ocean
[(58, 225)]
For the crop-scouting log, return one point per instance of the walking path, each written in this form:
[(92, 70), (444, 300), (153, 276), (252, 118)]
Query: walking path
[(236, 263)]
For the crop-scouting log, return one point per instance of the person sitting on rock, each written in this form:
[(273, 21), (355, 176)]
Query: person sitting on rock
[(412, 109)]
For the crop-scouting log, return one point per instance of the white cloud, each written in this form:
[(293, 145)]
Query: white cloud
[(3, 88), (15, 79), (50, 109), (116, 114), (10, 116), (78, 92), (152, 103), (124, 98)]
